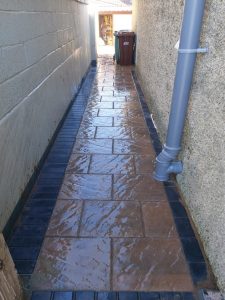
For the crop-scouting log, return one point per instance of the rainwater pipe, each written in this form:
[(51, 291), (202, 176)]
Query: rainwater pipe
[(166, 162)]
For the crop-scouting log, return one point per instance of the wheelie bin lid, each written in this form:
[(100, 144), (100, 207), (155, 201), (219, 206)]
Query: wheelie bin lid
[(124, 33)]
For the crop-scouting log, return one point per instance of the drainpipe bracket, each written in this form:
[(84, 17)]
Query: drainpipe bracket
[(168, 154), (192, 51)]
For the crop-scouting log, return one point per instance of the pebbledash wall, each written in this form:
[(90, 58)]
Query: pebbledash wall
[(202, 182), (44, 53)]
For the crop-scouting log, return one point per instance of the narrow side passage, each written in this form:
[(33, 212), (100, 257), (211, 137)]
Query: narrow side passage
[(112, 228)]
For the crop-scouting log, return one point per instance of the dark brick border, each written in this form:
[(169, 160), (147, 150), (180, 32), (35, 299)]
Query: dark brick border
[(29, 231), (36, 207), (111, 296), (191, 248)]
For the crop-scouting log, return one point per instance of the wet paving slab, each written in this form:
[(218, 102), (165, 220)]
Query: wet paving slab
[(94, 146), (73, 264), (113, 227)]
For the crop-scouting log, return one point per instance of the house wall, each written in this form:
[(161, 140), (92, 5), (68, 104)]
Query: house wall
[(92, 16), (44, 53), (9, 281), (202, 181)]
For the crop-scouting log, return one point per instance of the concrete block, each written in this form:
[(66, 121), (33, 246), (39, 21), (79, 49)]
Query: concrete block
[(12, 61), (18, 87), (39, 47), (18, 27), (26, 5), (54, 59)]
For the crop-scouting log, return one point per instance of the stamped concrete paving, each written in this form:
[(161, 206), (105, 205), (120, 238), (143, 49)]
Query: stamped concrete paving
[(112, 227)]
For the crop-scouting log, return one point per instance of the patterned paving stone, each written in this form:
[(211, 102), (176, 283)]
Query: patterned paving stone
[(86, 132), (149, 264), (99, 146), (111, 99), (153, 214), (111, 219), (98, 121), (65, 219), (113, 133), (137, 188), (112, 112), (103, 93), (86, 187), (71, 264), (101, 105), (78, 163), (124, 93), (112, 164), (140, 146)]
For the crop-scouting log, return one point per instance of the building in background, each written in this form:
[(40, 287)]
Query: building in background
[(111, 15)]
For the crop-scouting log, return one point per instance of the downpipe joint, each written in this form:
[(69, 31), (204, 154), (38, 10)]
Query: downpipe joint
[(166, 164)]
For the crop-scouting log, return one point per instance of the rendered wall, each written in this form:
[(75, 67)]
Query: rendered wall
[(44, 53), (203, 180)]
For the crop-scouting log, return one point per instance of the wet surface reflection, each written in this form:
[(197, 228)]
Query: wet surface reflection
[(113, 133), (65, 219), (112, 227), (112, 164), (97, 121), (150, 265), (71, 264), (139, 146), (111, 219), (78, 163), (86, 187), (100, 146), (139, 187)]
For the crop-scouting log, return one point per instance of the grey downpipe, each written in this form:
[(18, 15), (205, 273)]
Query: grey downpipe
[(166, 162)]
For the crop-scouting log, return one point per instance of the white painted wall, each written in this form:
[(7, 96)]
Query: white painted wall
[(44, 53)]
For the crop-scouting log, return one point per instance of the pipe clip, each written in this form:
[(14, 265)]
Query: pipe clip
[(191, 51)]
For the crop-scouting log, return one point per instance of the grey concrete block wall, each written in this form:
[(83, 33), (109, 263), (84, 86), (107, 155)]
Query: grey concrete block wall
[(44, 53), (202, 182)]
